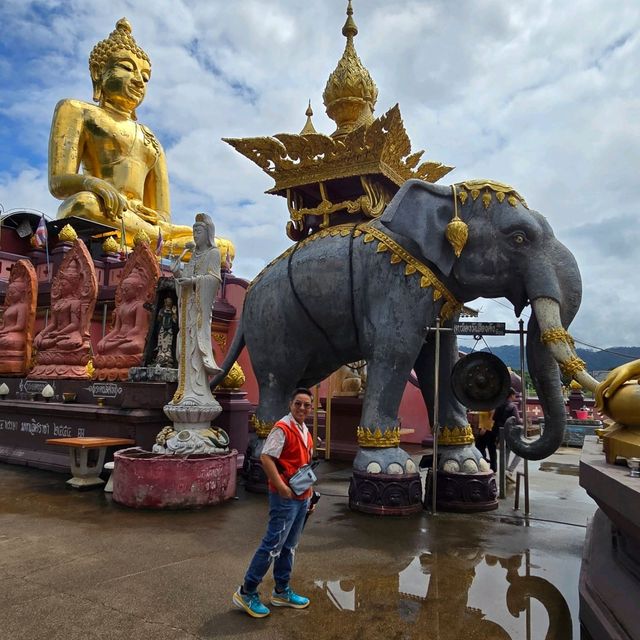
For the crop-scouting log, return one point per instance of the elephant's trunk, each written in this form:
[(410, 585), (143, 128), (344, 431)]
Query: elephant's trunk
[(543, 359)]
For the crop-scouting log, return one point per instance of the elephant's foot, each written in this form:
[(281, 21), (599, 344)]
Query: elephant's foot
[(386, 460), (255, 477), (465, 482), (385, 482), (462, 459)]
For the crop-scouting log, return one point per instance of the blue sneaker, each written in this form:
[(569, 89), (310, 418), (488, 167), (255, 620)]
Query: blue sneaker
[(289, 598), (250, 602)]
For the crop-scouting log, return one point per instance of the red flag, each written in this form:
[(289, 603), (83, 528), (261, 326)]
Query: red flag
[(41, 235), (159, 243)]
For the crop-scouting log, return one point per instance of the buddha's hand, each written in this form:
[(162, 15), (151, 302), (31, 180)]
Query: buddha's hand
[(114, 202), (615, 380), (149, 215)]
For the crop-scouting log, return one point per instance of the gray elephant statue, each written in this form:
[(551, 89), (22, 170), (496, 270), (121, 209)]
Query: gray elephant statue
[(371, 291)]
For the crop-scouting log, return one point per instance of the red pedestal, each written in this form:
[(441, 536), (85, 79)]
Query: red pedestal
[(144, 480), (234, 418)]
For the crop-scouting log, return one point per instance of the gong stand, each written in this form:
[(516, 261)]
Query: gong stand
[(436, 408)]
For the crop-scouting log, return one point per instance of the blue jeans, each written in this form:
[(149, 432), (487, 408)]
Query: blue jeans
[(286, 519)]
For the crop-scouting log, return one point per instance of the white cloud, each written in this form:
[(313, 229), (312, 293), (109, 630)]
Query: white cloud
[(538, 94)]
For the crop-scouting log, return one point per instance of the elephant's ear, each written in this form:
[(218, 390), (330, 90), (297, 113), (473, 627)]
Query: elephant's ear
[(420, 212)]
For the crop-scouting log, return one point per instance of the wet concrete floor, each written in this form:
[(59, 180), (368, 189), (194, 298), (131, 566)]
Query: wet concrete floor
[(75, 565)]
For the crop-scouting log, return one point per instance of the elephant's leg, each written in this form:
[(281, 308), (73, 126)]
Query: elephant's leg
[(378, 434), (457, 451)]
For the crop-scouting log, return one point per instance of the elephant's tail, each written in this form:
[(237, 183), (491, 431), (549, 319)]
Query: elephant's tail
[(237, 345)]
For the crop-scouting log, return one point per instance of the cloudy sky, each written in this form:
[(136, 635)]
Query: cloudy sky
[(543, 95)]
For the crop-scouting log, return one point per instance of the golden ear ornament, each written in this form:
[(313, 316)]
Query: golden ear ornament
[(457, 231)]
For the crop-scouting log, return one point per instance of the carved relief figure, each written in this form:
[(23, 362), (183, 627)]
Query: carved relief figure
[(197, 284), (123, 346), (124, 181), (167, 323), (16, 333), (64, 346)]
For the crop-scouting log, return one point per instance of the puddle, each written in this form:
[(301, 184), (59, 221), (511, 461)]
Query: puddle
[(444, 596), (560, 468)]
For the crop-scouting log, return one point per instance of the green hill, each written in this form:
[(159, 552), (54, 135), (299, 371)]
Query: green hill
[(596, 360)]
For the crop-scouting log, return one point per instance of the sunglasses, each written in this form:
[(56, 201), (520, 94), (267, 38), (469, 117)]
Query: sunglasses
[(305, 405)]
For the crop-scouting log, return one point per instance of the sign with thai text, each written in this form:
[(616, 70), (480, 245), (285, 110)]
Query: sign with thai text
[(479, 328)]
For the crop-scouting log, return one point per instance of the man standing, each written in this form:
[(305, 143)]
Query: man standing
[(506, 410), (287, 448)]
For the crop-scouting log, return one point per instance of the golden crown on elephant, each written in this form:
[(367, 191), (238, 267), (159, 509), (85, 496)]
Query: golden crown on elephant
[(351, 174)]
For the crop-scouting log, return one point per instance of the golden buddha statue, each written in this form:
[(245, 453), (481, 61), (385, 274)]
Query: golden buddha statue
[(124, 181)]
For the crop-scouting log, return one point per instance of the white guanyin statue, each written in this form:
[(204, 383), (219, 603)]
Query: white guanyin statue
[(194, 406)]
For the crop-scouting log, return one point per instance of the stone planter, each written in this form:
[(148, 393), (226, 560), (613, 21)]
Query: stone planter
[(145, 480)]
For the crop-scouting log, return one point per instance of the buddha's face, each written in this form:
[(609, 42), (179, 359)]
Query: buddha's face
[(131, 286), (124, 80), (15, 292)]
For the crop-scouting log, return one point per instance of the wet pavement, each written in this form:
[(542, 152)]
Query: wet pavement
[(76, 565)]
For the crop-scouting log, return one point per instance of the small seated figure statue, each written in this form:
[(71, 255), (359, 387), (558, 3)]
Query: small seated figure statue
[(167, 322), (16, 334), (123, 346), (64, 347), (124, 181)]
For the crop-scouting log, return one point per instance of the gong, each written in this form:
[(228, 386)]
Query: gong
[(480, 381)]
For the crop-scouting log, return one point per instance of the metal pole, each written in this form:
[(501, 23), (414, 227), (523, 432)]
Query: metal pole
[(315, 418), (435, 426), (327, 421), (524, 415), (501, 469)]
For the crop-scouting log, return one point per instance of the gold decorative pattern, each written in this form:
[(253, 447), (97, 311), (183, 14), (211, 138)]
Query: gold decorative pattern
[(141, 236), (457, 231), (235, 378), (488, 189), (377, 438), (558, 334), (413, 266), (220, 339), (67, 234), (450, 436), (110, 245), (262, 427), (382, 148), (350, 94), (90, 368), (572, 366)]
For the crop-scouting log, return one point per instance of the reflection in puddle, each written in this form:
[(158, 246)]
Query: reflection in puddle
[(560, 468), (447, 596)]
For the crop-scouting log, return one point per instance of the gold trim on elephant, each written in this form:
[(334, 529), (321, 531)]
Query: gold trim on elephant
[(488, 188), (378, 438), (450, 436), (399, 254), (558, 334), (572, 366), (262, 427)]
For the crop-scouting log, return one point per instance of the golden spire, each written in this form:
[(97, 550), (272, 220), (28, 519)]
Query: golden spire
[(350, 94), (308, 127)]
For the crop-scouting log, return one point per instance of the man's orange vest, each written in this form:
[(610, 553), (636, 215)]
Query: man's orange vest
[(295, 454)]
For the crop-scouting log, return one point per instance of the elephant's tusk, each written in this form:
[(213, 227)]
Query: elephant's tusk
[(560, 342)]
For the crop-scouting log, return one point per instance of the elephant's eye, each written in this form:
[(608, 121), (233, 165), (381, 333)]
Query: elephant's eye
[(518, 238)]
